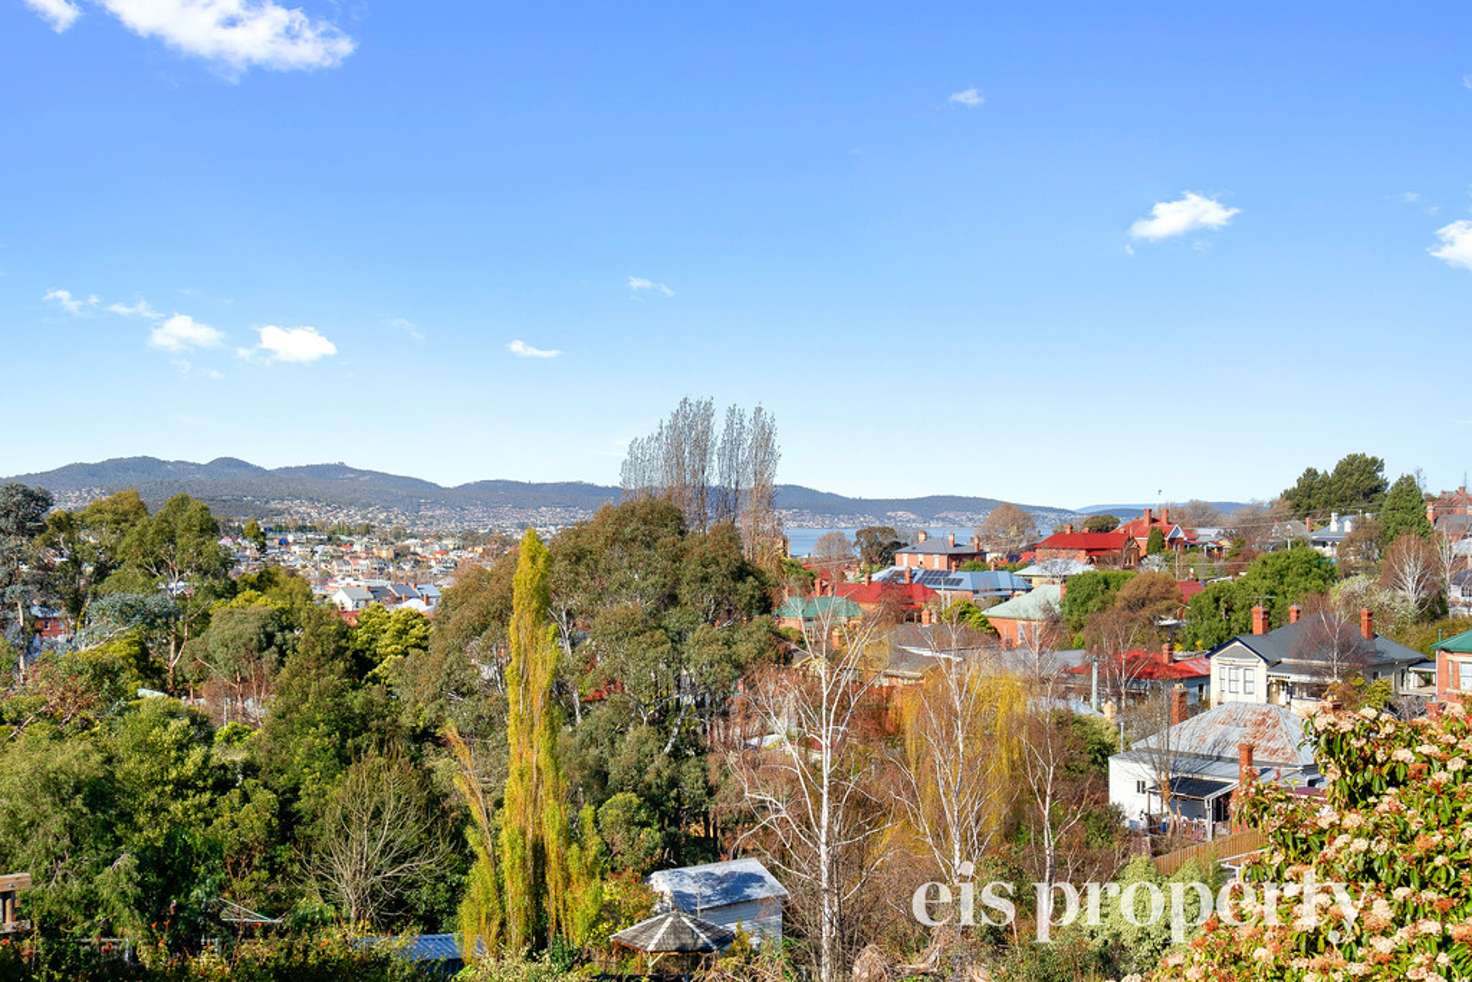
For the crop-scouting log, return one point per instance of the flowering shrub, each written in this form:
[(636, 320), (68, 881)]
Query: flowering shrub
[(1395, 827)]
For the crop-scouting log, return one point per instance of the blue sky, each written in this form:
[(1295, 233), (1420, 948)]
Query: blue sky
[(1059, 254)]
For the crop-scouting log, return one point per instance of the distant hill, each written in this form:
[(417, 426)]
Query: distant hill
[(238, 487), (1128, 511)]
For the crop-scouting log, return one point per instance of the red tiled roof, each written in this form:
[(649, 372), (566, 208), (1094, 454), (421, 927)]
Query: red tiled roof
[(1150, 666), (1089, 541), (1189, 589), (907, 594)]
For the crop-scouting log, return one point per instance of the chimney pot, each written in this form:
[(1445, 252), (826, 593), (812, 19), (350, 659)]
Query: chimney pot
[(1259, 620), (1367, 624), (1177, 704), (1246, 771), (1294, 612)]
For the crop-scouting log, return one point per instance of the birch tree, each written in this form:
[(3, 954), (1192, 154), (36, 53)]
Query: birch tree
[(811, 779)]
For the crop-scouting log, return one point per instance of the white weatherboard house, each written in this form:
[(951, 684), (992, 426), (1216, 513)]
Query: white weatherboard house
[(1292, 666), (738, 894), (1207, 757)]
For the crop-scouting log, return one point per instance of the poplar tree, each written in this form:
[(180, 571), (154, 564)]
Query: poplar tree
[(534, 821)]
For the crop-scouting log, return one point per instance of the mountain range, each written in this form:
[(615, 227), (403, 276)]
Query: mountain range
[(238, 487)]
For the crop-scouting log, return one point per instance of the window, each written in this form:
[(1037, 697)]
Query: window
[(1464, 675), (1139, 787), (1234, 676), (1249, 681)]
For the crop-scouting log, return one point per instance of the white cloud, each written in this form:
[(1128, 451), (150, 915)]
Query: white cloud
[(297, 345), (970, 98), (1456, 244), (1188, 213), (60, 14), (640, 283), (236, 34), (1467, 81), (139, 308), (521, 349), (72, 305), (182, 332)]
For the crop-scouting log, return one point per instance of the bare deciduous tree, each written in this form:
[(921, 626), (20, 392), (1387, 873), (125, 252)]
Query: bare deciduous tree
[(1331, 639), (1412, 569), (1006, 529), (1110, 637), (812, 780), (377, 839)]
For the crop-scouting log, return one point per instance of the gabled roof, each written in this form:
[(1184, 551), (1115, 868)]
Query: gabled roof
[(1287, 644), (1032, 606), (1458, 643), (1149, 666), (1055, 567), (697, 888), (999, 581), (940, 547), (1275, 732), (1100, 542), (905, 594)]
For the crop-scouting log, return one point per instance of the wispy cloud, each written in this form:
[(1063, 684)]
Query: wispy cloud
[(1188, 213), (293, 345), (521, 349), (182, 332), (1467, 81), (236, 35), (970, 98), (1456, 244), (407, 326), (71, 304), (1413, 199), (139, 308), (60, 14), (640, 284)]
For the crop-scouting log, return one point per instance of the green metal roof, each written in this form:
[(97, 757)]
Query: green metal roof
[(812, 608), (1460, 643)]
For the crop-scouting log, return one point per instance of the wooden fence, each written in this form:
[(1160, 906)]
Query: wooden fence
[(1225, 849)]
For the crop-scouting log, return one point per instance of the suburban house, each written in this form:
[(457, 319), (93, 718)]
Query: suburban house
[(1326, 540), (979, 586), (892, 601), (1459, 596), (1458, 502), (1291, 666), (738, 894), (1020, 621), (1151, 670), (946, 554), (1140, 528), (1454, 668), (1205, 758), (1115, 548), (799, 613), (1053, 570), (351, 597), (915, 650)]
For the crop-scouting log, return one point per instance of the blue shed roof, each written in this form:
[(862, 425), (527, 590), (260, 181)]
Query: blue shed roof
[(697, 888)]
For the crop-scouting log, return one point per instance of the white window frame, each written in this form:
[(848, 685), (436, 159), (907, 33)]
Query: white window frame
[(1249, 682), (1234, 679), (1462, 678)]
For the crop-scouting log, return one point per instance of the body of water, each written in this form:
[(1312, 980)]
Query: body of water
[(801, 540)]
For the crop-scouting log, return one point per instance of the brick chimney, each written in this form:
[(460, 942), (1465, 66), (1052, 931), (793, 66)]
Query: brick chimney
[(1294, 612), (1146, 516), (1167, 653), (1068, 529), (1246, 772), (951, 540), (921, 536), (868, 578), (1367, 624), (976, 543), (1063, 589), (1177, 704), (1165, 515), (925, 616), (909, 575), (1259, 620)]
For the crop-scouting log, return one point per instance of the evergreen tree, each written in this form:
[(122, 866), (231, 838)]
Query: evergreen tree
[(1155, 545), (534, 821), (1404, 511)]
